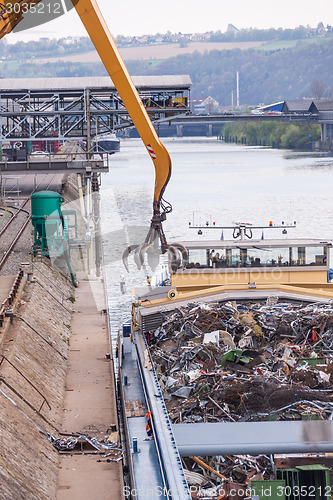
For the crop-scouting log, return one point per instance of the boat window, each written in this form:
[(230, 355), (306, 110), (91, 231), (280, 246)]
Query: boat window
[(316, 256), (257, 257), (198, 257)]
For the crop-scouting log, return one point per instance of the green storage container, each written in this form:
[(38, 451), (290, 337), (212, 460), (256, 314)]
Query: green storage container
[(268, 489), (44, 203), (306, 482), (46, 218)]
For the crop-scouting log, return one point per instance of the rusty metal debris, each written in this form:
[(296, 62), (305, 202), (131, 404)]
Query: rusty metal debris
[(225, 477), (246, 361), (83, 444)]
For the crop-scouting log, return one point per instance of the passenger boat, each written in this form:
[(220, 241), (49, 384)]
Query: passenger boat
[(219, 272), (106, 144)]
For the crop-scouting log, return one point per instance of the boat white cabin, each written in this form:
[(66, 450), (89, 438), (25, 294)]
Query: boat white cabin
[(298, 262), (106, 144)]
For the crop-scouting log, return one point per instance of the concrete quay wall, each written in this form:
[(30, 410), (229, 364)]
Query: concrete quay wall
[(32, 387)]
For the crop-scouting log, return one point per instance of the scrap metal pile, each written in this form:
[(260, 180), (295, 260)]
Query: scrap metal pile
[(227, 477), (243, 362), (246, 361)]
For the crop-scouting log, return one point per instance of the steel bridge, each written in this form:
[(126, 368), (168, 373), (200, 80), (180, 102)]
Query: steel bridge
[(317, 111), (58, 109)]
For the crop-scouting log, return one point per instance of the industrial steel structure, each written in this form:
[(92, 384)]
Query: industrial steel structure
[(58, 109)]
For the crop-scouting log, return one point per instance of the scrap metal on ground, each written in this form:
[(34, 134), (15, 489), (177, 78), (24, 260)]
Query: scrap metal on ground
[(82, 444)]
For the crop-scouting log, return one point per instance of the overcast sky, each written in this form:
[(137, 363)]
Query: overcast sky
[(136, 17)]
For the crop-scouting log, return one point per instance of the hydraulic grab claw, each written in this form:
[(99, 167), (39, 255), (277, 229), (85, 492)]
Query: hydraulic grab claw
[(177, 253)]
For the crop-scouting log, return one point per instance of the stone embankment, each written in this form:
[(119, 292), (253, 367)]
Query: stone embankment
[(32, 386)]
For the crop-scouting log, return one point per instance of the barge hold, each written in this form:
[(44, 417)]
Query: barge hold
[(239, 346)]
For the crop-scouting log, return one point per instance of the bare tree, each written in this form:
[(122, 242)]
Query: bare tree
[(317, 88), (329, 92)]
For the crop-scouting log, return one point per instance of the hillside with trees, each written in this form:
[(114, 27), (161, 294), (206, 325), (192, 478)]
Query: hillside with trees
[(265, 76), (301, 70)]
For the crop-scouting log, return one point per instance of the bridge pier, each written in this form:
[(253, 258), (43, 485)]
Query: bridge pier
[(326, 132), (209, 130), (180, 130), (323, 132)]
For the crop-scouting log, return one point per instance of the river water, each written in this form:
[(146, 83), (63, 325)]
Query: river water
[(211, 181)]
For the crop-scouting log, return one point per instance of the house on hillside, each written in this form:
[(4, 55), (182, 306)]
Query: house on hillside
[(200, 37), (204, 106), (232, 29)]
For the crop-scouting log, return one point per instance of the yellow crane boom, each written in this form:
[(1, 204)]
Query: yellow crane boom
[(99, 33), (89, 12), (102, 39)]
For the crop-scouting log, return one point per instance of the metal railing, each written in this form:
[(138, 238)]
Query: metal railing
[(11, 297)]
